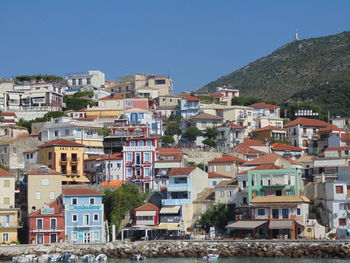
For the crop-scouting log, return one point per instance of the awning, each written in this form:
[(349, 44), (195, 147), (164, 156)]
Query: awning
[(167, 226), (246, 224), (281, 224), (170, 210)]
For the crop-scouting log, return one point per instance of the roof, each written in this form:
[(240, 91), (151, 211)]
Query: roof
[(345, 137), (306, 159), (234, 126), (112, 183), (5, 113), (246, 224), (284, 147), (14, 140), (245, 148), (4, 173), (147, 207), (262, 105), (337, 148), (206, 116), (116, 96), (61, 142), (56, 205), (265, 159), (80, 191), (170, 209), (280, 199), (181, 171), (169, 150), (227, 158), (206, 196), (280, 224), (216, 175), (227, 184), (269, 128), (191, 98), (307, 122), (43, 171)]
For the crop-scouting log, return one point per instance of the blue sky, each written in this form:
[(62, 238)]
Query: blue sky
[(192, 41)]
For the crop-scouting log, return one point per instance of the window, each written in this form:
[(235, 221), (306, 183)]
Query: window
[(50, 156), (244, 183), (45, 181), (229, 193), (74, 201), (95, 235), (146, 157), (285, 213), (129, 157), (132, 143), (261, 212), (6, 183), (213, 168), (140, 143), (74, 82), (304, 130), (6, 200), (129, 172), (74, 169), (275, 213), (14, 149), (74, 235), (53, 238), (80, 82), (37, 195), (159, 81), (92, 201), (39, 223), (222, 193), (74, 157), (52, 195), (88, 81), (56, 133), (63, 157), (128, 103), (245, 200), (119, 165), (64, 169), (298, 211), (342, 221), (95, 217), (339, 189), (66, 132), (5, 237), (213, 183), (147, 171), (53, 223), (148, 143), (228, 168), (74, 218)]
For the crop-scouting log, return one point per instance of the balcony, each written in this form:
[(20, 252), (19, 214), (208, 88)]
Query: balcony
[(63, 161), (170, 219), (177, 187), (166, 202), (138, 148), (75, 160), (46, 230), (145, 222)]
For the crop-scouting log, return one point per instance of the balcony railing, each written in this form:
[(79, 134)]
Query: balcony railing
[(170, 219), (177, 187), (166, 202), (138, 148)]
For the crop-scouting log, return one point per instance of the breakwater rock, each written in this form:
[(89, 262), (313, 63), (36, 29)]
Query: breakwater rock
[(288, 249)]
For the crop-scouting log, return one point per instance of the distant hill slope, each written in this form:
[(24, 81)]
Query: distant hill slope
[(296, 67)]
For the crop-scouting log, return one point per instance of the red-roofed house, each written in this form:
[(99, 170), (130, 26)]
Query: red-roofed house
[(229, 135), (226, 165), (8, 118), (271, 159), (215, 178), (146, 215), (190, 106), (269, 133), (287, 150), (46, 225), (250, 149), (303, 133)]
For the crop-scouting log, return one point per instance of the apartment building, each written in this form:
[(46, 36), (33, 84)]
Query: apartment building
[(94, 78), (226, 165)]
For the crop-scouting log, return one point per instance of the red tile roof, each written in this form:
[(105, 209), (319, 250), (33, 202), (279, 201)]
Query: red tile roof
[(330, 128), (284, 147), (216, 95), (267, 167), (116, 96), (4, 173), (147, 207), (345, 137), (266, 159), (234, 126), (169, 150), (216, 175), (337, 148), (56, 205), (61, 142), (261, 105), (112, 183), (246, 149), (181, 171), (191, 98), (206, 116), (269, 128), (308, 122), (227, 158), (5, 113), (80, 191), (43, 171)]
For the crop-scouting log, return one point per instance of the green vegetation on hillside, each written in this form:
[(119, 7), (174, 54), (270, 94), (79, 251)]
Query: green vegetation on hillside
[(39, 77), (47, 117)]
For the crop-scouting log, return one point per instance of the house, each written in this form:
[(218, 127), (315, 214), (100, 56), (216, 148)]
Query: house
[(95, 78), (166, 159), (11, 150), (42, 186), (250, 149), (167, 104), (31, 159), (7, 118), (139, 156), (274, 217), (46, 225), (268, 159), (303, 132), (190, 106), (84, 216), (227, 94), (286, 150), (229, 135), (12, 131), (79, 131), (339, 139), (215, 178), (263, 109), (104, 168), (8, 211), (269, 134), (226, 192), (66, 157), (226, 165), (146, 215)]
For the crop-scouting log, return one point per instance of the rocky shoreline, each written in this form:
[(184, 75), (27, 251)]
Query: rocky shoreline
[(288, 249)]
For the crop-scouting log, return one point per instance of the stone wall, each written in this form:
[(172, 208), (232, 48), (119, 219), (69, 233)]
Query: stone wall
[(241, 248)]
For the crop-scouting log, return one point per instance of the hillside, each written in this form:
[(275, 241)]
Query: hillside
[(294, 69)]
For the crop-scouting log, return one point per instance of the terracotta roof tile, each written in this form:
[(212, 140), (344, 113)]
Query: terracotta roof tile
[(191, 98), (169, 150), (56, 205), (337, 148), (284, 147), (266, 159), (308, 122), (116, 96), (80, 191), (266, 167), (147, 207), (246, 149), (61, 142), (43, 171), (280, 199), (4, 173), (269, 128), (234, 126), (8, 114), (181, 171), (227, 158), (206, 116), (112, 183), (216, 175), (261, 105)]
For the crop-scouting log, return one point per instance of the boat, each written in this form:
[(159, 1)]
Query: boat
[(68, 257), (212, 255), (88, 258), (25, 259), (101, 258), (55, 257), (138, 257), (43, 258)]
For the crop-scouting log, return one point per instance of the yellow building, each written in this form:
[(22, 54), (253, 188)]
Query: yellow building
[(66, 157), (8, 212)]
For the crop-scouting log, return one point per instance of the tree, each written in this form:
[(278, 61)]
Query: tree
[(244, 101), (168, 139), (39, 77), (77, 103), (173, 129), (121, 202), (211, 133), (192, 133), (209, 142), (218, 216), (46, 117), (175, 117), (104, 131)]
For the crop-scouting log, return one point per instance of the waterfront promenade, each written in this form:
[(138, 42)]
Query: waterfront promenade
[(194, 248)]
